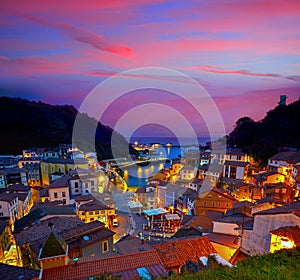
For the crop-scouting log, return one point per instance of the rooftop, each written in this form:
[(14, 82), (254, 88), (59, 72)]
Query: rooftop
[(18, 188), (94, 205), (125, 265), (66, 161), (236, 163), (224, 239), (131, 244), (292, 233), (7, 197), (12, 272), (285, 209), (290, 157), (177, 252), (53, 246)]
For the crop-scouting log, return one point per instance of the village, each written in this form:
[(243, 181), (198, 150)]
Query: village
[(65, 215)]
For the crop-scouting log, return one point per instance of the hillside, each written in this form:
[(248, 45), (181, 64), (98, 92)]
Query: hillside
[(277, 266), (28, 124), (279, 128)]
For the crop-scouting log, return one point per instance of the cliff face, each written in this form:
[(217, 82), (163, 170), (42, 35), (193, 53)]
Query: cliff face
[(27, 124), (279, 128)]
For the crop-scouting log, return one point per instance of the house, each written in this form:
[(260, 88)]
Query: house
[(243, 191), (42, 211), (10, 176), (236, 169), (32, 167), (83, 184), (58, 190), (215, 199), (174, 254), (141, 265), (226, 231), (200, 223), (4, 238), (285, 163), (232, 155), (89, 209), (192, 157), (186, 202), (187, 173), (283, 191), (54, 252), (167, 195), (52, 165), (266, 177), (24, 197), (146, 195), (258, 240), (285, 238), (83, 239), (9, 206), (212, 173)]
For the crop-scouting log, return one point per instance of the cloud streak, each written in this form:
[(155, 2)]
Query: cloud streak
[(215, 70), (83, 36)]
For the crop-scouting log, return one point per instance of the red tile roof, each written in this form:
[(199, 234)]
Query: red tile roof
[(124, 265), (176, 253), (292, 233)]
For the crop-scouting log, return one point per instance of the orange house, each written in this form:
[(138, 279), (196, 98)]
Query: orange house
[(215, 199)]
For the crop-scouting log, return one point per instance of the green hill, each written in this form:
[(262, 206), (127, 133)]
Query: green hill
[(29, 124), (279, 128), (278, 266)]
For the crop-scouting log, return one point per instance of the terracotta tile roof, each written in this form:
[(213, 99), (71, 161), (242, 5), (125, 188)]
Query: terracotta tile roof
[(11, 272), (124, 265), (292, 233), (177, 252), (288, 208), (239, 255)]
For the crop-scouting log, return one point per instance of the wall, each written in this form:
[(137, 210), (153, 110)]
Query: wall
[(258, 240)]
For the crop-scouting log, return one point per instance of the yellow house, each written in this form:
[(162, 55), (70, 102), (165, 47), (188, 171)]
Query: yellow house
[(89, 209), (285, 238), (52, 165)]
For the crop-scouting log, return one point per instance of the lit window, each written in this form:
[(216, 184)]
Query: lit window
[(105, 246)]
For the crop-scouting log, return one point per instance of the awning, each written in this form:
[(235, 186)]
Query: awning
[(171, 217), (157, 211)]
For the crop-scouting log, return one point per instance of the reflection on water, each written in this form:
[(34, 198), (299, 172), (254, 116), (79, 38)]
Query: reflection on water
[(137, 176)]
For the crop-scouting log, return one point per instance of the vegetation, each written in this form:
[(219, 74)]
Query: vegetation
[(284, 264), (278, 129), (36, 124)]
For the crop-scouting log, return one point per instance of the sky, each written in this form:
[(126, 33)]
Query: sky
[(245, 54)]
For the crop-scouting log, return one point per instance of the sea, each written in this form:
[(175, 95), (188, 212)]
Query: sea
[(136, 176)]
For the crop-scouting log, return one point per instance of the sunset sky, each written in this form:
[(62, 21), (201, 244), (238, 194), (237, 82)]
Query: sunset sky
[(244, 53)]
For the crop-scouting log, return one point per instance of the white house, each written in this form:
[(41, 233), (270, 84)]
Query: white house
[(258, 240), (9, 206)]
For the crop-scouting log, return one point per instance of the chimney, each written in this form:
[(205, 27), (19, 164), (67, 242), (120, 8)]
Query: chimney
[(282, 101)]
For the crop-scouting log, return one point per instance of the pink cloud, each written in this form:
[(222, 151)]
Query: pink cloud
[(83, 36), (212, 69)]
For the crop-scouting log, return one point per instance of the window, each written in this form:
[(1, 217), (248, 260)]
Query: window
[(204, 203), (63, 194), (213, 204), (1, 214), (0, 206), (55, 195), (104, 246), (96, 212), (76, 184), (91, 213)]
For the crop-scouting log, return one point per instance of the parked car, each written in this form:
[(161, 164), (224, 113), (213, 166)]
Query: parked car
[(115, 222)]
